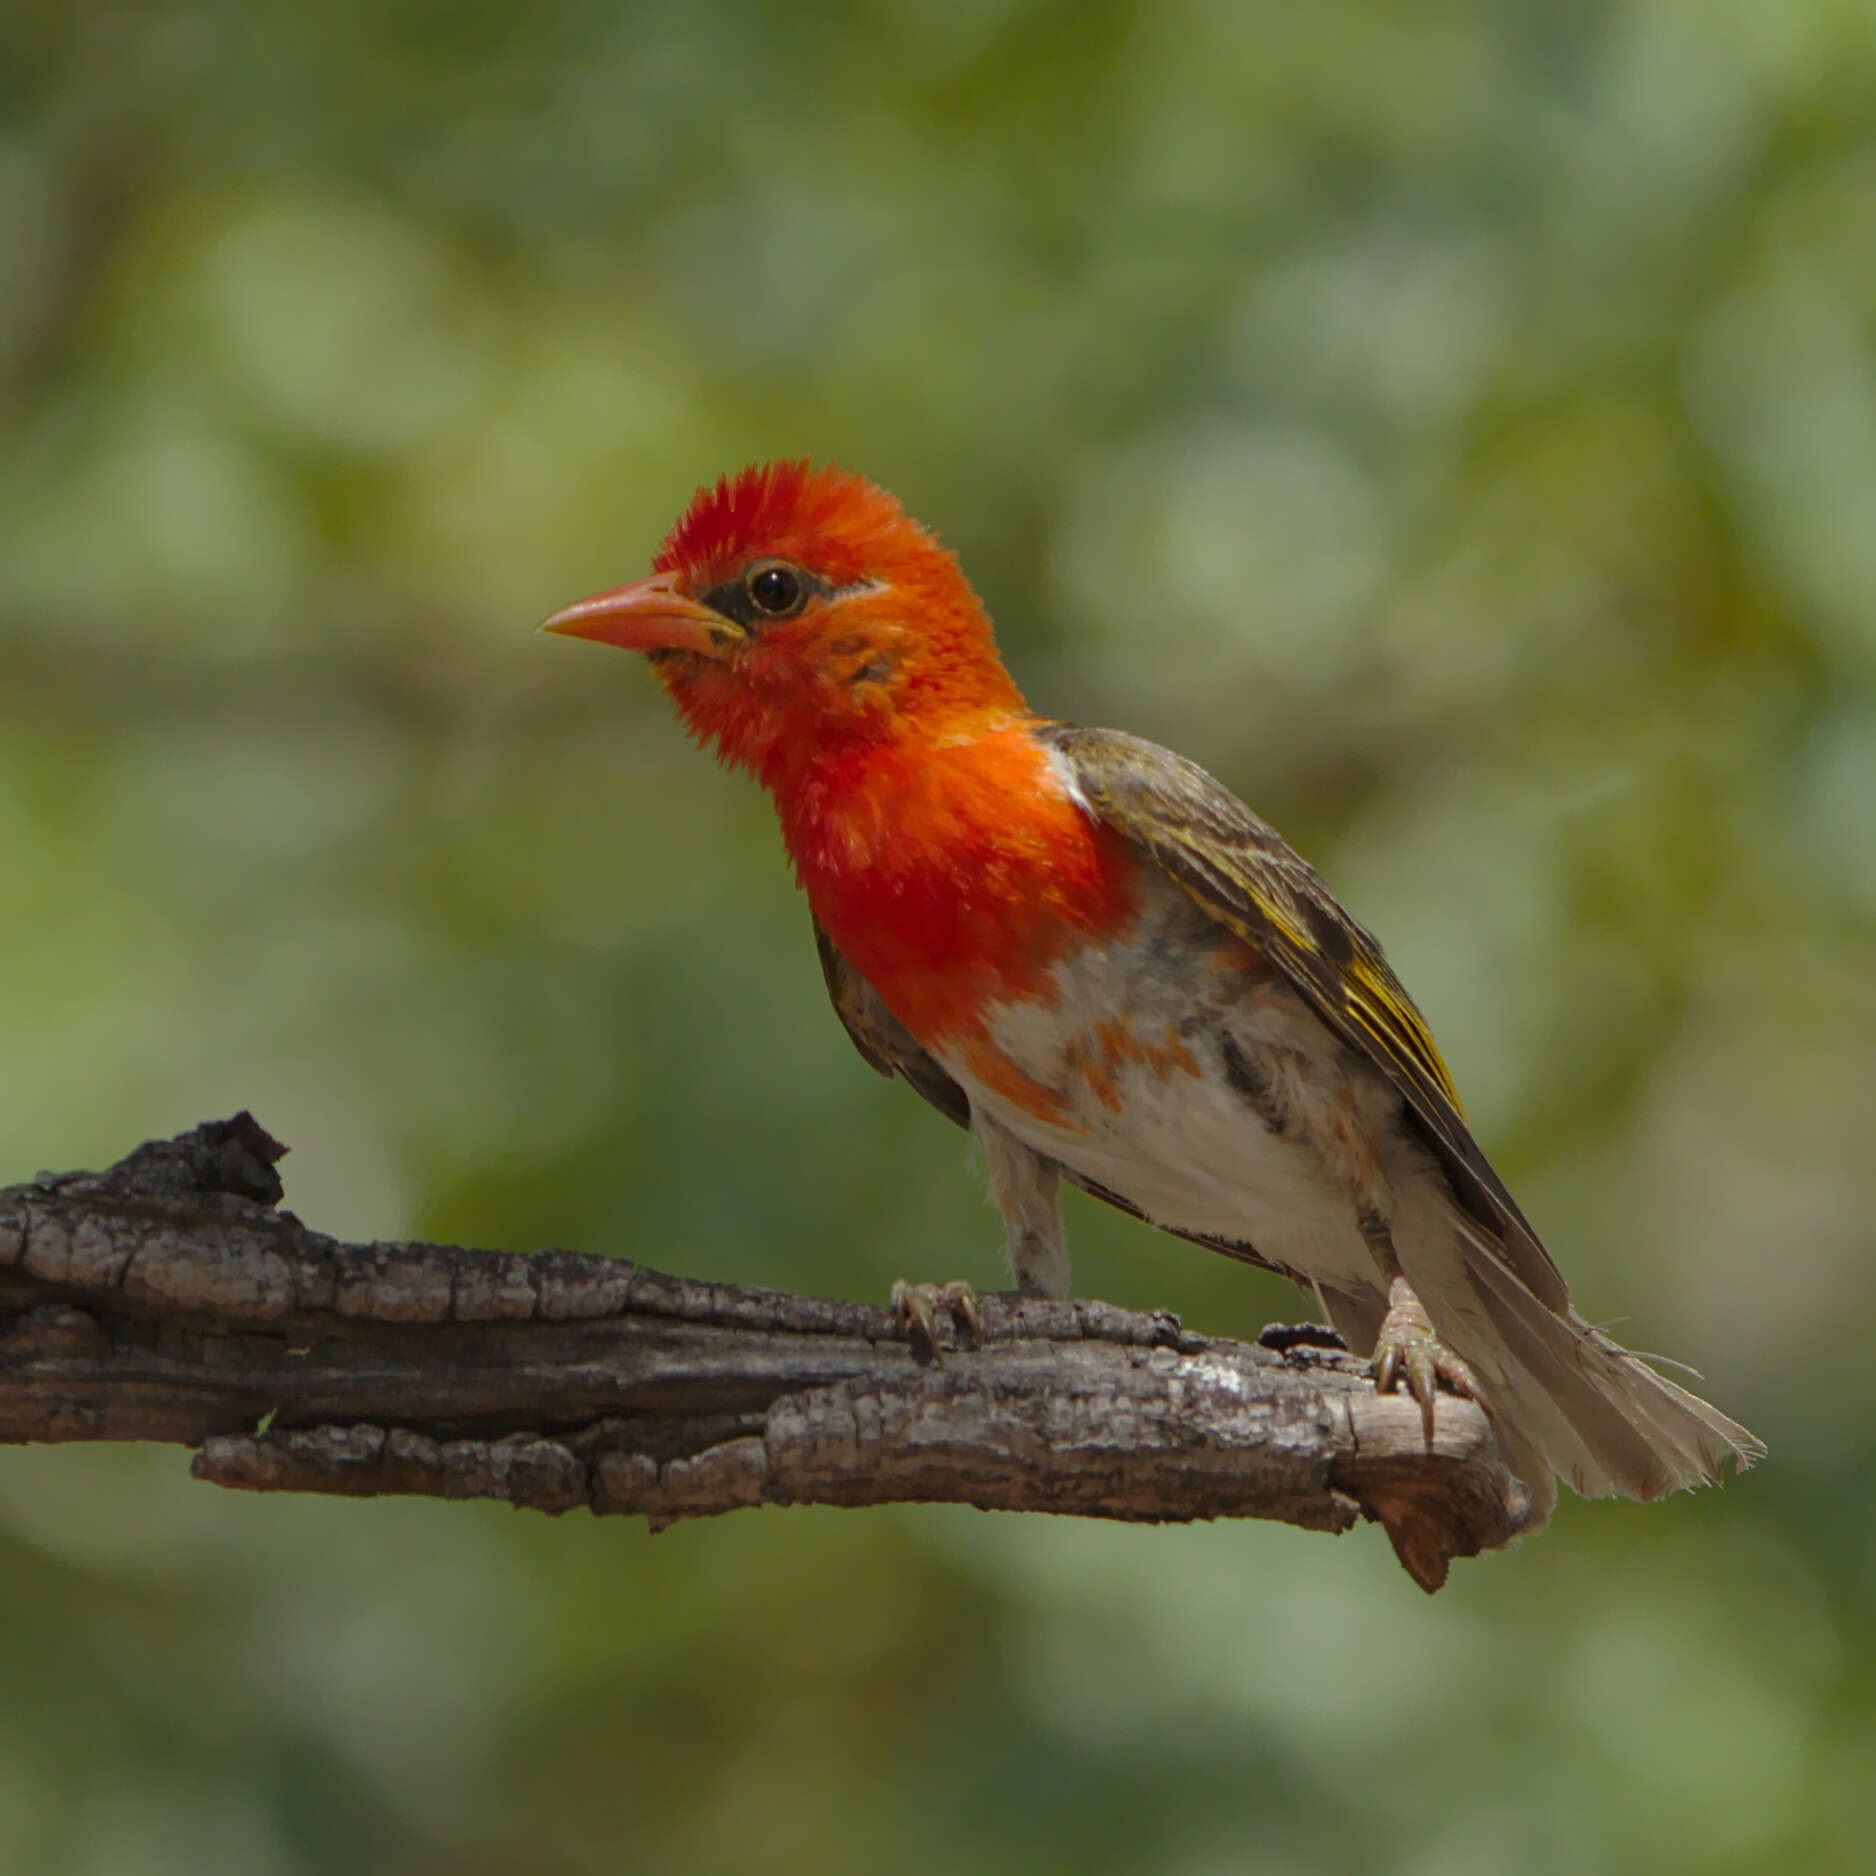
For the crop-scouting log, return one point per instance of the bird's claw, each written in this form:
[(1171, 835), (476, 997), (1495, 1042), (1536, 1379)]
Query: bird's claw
[(915, 1309), (1407, 1348)]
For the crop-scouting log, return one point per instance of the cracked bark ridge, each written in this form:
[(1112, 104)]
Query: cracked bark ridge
[(169, 1299)]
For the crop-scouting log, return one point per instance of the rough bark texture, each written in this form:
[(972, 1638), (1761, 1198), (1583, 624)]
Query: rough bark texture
[(168, 1299)]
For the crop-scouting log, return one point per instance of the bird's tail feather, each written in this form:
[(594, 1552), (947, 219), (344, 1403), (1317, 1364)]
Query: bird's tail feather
[(1565, 1396)]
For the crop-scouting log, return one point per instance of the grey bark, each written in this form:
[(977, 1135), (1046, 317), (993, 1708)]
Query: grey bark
[(170, 1299)]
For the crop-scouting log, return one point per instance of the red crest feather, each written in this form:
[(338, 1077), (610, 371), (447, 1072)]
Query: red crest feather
[(836, 523)]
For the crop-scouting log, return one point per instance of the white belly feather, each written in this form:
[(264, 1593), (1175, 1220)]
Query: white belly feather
[(1260, 1157)]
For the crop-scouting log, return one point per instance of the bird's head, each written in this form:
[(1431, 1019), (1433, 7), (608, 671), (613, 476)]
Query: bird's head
[(792, 611)]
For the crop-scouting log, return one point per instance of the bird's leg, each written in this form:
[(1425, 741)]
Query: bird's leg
[(1023, 1187), (1408, 1346)]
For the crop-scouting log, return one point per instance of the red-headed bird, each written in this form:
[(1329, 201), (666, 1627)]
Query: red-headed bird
[(1093, 955)]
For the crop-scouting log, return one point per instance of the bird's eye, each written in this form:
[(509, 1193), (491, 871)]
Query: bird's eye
[(775, 590)]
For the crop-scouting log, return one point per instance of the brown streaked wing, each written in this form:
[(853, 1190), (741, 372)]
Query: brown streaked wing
[(1241, 873)]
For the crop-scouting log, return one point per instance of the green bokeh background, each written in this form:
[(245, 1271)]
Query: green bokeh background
[(1454, 425)]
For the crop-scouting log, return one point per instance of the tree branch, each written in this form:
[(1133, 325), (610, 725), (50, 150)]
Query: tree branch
[(168, 1299)]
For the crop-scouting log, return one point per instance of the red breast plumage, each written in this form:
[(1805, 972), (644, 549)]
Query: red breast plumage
[(1089, 952)]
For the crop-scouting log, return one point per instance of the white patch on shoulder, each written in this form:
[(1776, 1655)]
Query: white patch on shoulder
[(1064, 772)]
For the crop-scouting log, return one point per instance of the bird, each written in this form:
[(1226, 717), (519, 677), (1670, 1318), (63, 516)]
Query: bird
[(1091, 954)]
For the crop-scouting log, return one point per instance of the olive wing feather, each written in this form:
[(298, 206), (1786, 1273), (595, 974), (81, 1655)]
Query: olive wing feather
[(1241, 873)]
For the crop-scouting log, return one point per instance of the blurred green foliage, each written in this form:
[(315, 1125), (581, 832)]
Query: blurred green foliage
[(1455, 425)]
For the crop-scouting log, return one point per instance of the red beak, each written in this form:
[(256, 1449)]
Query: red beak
[(650, 615)]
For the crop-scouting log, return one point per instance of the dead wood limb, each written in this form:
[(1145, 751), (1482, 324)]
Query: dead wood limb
[(168, 1299)]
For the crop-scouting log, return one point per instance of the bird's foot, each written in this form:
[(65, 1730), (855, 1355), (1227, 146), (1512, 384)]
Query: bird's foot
[(915, 1308), (1407, 1348)]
